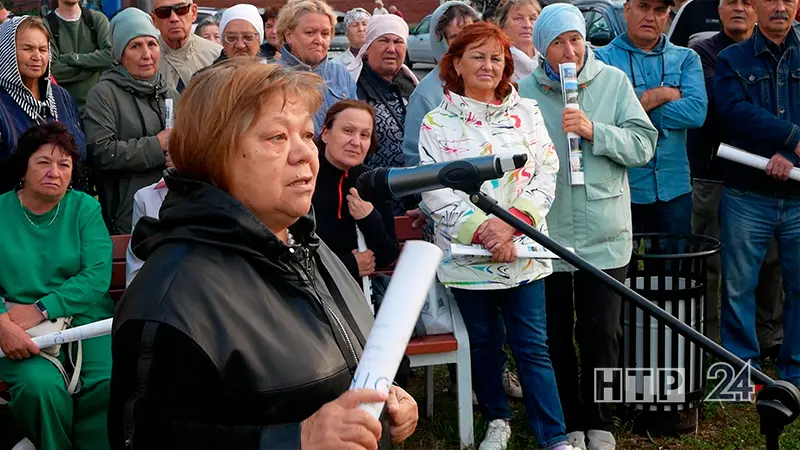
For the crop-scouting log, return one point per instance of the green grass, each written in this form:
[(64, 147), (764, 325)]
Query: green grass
[(722, 425)]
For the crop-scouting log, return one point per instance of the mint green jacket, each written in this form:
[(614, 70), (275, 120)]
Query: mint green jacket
[(595, 218)]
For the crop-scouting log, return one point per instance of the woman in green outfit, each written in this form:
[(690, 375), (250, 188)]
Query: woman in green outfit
[(55, 255)]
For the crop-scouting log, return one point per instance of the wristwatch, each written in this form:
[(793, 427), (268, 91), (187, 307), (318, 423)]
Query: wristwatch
[(40, 306)]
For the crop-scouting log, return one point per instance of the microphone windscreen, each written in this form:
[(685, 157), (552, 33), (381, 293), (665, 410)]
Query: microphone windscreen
[(374, 186)]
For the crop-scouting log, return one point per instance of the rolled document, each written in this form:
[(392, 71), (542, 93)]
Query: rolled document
[(169, 113), (748, 159), (569, 87), (366, 284), (389, 336), (83, 332)]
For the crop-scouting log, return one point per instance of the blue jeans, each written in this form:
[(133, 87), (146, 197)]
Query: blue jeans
[(748, 223), (523, 311), (672, 217)]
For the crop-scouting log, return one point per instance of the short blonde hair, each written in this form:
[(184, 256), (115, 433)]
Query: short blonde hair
[(291, 14), (222, 103), (501, 16)]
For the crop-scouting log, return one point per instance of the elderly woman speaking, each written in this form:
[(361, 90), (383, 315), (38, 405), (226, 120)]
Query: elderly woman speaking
[(594, 218), (243, 330)]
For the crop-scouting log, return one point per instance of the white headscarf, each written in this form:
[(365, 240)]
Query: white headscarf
[(378, 26), (245, 12)]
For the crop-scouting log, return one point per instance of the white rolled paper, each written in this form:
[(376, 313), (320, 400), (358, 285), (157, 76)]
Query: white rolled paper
[(366, 284), (169, 113), (740, 156), (389, 336), (523, 251), (83, 332)]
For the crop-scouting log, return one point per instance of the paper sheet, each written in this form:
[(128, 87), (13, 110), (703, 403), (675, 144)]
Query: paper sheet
[(523, 251), (389, 336), (80, 333), (748, 159)]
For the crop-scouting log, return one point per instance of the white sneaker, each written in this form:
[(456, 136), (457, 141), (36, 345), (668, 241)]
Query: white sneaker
[(511, 384), (576, 440), (497, 436), (601, 440), (24, 444)]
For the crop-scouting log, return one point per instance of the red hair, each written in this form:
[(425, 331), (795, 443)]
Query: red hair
[(475, 35)]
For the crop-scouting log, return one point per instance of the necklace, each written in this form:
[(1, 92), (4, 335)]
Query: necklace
[(289, 238), (58, 207)]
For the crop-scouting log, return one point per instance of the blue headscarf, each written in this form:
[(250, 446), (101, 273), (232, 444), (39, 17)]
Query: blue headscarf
[(555, 20)]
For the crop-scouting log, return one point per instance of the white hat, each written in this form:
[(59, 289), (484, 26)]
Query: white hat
[(246, 12)]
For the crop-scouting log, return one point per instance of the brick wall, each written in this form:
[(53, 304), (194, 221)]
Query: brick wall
[(413, 10)]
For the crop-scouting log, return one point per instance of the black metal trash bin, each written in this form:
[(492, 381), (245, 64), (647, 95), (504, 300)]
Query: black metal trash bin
[(670, 271)]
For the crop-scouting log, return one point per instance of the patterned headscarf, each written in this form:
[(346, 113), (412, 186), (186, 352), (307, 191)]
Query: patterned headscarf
[(11, 80), (354, 15)]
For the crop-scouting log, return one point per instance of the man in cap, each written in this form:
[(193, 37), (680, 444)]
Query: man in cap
[(669, 83), (757, 94), (738, 19)]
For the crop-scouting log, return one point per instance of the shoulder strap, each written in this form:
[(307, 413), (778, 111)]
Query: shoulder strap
[(89, 21), (52, 20)]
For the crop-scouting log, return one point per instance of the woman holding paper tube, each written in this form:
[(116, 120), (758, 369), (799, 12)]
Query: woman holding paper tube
[(238, 298), (56, 263), (482, 114), (593, 217), (346, 139), (124, 119)]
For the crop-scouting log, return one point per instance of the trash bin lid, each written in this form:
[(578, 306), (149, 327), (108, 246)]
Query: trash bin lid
[(673, 246)]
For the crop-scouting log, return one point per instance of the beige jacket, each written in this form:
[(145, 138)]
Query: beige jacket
[(181, 64)]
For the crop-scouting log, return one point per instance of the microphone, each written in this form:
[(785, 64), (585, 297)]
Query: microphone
[(388, 182)]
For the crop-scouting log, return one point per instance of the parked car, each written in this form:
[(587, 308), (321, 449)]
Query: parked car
[(339, 42), (204, 12), (419, 44), (604, 20)]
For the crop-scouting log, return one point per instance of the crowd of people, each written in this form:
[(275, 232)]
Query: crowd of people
[(231, 155)]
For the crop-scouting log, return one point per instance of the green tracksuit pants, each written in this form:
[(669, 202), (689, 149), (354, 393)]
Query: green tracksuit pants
[(48, 415)]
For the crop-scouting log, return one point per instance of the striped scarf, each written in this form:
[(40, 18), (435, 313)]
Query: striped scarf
[(11, 81)]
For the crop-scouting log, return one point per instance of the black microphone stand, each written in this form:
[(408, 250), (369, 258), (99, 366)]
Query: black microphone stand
[(778, 402)]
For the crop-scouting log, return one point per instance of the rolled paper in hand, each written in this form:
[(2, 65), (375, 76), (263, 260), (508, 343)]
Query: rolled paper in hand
[(748, 159), (366, 283), (569, 87), (387, 341), (83, 332), (169, 113)]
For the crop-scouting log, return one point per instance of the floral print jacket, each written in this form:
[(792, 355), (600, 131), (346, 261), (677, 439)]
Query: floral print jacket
[(461, 127)]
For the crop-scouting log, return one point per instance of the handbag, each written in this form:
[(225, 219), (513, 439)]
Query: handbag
[(72, 380)]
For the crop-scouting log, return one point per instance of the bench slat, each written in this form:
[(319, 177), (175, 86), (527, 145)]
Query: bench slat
[(432, 344)]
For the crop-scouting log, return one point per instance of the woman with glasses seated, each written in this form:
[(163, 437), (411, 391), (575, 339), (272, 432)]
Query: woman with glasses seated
[(124, 119), (242, 32)]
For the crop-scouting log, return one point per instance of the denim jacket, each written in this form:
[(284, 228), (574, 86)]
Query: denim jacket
[(667, 175), (339, 84), (757, 92)]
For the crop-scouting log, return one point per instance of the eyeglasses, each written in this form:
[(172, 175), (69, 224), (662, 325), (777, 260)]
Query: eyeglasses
[(232, 38), (165, 12)]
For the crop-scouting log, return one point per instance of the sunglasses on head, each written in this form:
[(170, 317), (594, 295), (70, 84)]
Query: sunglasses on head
[(165, 12)]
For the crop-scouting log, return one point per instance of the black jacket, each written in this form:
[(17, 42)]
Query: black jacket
[(221, 341), (337, 227), (702, 143)]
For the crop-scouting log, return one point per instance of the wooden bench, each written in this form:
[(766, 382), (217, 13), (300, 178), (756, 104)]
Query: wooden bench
[(429, 351)]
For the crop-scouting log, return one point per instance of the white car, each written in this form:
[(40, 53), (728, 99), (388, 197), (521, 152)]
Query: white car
[(419, 44), (204, 13)]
